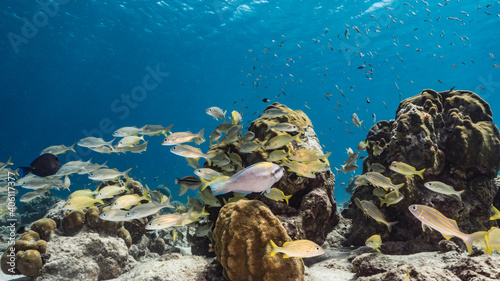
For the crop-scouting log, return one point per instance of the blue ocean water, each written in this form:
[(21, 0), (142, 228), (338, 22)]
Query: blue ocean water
[(73, 69)]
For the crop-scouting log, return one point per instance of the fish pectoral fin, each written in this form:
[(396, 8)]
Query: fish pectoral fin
[(285, 256), (454, 223)]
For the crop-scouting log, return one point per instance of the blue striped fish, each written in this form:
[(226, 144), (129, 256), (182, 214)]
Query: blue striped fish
[(377, 179), (372, 210), (258, 177), (447, 227)]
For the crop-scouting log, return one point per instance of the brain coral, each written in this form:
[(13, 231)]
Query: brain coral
[(452, 136), (241, 236)]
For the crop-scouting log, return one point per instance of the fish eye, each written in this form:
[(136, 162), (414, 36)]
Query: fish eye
[(413, 207), (115, 204), (103, 215), (317, 248)]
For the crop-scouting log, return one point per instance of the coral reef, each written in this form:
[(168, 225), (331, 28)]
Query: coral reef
[(44, 228), (29, 262), (85, 256), (27, 250), (450, 266), (312, 212), (72, 223), (452, 136), (241, 236)]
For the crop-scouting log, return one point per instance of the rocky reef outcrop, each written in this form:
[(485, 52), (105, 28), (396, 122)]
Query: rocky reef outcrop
[(449, 134), (241, 238), (312, 212)]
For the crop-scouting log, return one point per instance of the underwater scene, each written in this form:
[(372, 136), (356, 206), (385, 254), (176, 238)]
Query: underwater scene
[(250, 140)]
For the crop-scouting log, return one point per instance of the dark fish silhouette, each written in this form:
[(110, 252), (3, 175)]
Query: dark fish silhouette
[(45, 165)]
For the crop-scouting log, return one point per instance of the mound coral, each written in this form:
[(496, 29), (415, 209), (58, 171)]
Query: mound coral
[(242, 234), (28, 250)]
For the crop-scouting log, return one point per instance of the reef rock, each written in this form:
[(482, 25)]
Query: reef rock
[(449, 134), (85, 256), (172, 266), (241, 236), (450, 266), (312, 212)]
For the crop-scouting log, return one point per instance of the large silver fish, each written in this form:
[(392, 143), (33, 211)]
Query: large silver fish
[(256, 178)]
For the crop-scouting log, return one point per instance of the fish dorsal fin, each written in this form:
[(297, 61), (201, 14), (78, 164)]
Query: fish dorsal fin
[(454, 223)]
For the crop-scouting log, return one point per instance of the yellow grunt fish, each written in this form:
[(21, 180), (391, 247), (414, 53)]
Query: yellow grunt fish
[(277, 195), (377, 179), (281, 140), (374, 242), (297, 249), (307, 155), (443, 188), (447, 227), (185, 150), (129, 200), (391, 198), (405, 169), (79, 202), (372, 210), (300, 169)]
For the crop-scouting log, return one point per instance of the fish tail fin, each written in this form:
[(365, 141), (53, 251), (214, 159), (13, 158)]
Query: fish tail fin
[(176, 182), (381, 202), (9, 162), (110, 143), (275, 248), (204, 183), (125, 174), (421, 174), (297, 137), (391, 224), (287, 198), (470, 238), (100, 201), (488, 245), (182, 190), (72, 148), (459, 194), (494, 217), (27, 170), (224, 115), (218, 188), (200, 134)]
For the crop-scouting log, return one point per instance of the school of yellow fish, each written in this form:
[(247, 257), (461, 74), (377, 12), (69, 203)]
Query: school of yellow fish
[(388, 194)]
